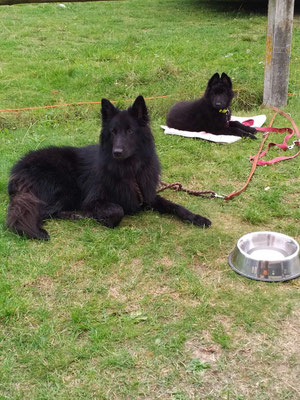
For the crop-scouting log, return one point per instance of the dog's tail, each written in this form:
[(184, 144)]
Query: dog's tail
[(24, 214)]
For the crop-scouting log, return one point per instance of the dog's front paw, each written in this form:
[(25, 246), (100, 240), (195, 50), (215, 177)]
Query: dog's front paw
[(41, 234), (250, 135), (201, 221), (111, 222), (252, 130)]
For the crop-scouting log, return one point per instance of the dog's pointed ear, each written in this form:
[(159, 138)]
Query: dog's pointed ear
[(214, 79), (108, 110), (139, 109), (225, 79)]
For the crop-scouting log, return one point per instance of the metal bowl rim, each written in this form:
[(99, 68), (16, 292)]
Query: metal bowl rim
[(268, 232)]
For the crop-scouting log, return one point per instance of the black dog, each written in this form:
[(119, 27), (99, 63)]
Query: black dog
[(103, 182), (211, 113)]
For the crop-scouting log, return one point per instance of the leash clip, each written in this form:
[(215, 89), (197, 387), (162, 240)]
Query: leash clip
[(297, 141), (219, 196)]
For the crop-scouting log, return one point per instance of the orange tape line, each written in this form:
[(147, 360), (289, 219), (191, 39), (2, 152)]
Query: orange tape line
[(73, 104), (85, 103)]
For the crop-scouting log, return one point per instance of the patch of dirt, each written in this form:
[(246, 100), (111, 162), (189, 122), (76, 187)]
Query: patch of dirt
[(136, 263), (292, 181), (44, 283), (206, 352), (166, 261), (115, 292)]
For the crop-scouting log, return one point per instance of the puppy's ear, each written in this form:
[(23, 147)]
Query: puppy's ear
[(108, 110), (139, 110), (226, 80), (214, 79)]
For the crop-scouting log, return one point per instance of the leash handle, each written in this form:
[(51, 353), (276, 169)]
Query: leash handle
[(283, 146)]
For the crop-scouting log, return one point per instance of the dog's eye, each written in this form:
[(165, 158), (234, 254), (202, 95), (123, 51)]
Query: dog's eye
[(129, 131), (113, 131)]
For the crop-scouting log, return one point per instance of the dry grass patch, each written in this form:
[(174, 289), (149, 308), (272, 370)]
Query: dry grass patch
[(43, 287), (257, 367)]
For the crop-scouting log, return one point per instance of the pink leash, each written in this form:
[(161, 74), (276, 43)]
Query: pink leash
[(283, 146)]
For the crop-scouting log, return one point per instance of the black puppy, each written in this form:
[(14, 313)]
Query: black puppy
[(211, 113), (104, 181)]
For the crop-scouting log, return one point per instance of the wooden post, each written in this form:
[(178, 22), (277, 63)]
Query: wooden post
[(278, 50)]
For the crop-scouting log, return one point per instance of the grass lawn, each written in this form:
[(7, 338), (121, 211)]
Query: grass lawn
[(151, 309)]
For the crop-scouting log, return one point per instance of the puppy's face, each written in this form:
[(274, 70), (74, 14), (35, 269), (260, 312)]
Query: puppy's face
[(219, 91)]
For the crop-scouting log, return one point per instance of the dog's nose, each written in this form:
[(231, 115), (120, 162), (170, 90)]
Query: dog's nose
[(218, 104), (117, 153)]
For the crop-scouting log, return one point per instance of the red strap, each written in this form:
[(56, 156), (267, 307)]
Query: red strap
[(277, 159), (283, 146), (257, 156), (248, 122), (236, 193)]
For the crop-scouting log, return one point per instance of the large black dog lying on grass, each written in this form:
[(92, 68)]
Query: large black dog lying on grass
[(211, 113), (103, 182)]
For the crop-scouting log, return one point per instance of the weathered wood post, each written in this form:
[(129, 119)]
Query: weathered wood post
[(278, 50)]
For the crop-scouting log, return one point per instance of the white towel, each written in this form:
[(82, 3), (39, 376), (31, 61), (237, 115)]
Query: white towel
[(257, 120)]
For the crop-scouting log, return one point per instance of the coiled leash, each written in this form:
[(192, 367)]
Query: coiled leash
[(255, 160), (283, 146)]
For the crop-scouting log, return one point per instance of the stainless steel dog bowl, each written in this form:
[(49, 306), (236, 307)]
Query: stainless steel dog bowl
[(266, 256)]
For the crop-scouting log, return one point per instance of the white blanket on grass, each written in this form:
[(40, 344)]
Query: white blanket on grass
[(257, 120)]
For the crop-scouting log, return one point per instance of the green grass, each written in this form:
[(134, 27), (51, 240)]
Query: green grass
[(149, 310)]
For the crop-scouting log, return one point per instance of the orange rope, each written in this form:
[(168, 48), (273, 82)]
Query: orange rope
[(73, 104), (85, 103)]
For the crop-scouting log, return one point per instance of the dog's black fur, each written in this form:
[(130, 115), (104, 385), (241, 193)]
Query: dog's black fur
[(205, 114), (104, 181)]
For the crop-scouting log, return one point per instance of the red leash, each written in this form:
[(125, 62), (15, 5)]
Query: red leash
[(284, 146)]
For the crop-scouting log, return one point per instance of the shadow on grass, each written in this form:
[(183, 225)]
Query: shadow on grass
[(234, 6), (242, 7)]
